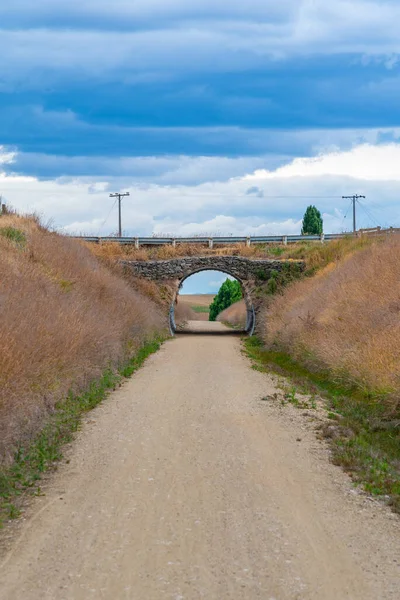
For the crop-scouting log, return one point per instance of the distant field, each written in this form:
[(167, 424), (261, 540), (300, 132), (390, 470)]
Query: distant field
[(197, 299), (198, 304), (201, 309)]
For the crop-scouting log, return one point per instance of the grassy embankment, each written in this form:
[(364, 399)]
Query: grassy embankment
[(234, 316), (186, 312), (337, 332), (71, 329), (112, 251)]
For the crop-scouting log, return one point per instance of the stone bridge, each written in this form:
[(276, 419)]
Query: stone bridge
[(247, 271)]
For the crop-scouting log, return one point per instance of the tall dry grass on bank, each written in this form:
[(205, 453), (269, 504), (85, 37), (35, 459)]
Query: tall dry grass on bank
[(346, 317), (235, 315), (313, 253), (184, 313), (115, 251), (64, 319)]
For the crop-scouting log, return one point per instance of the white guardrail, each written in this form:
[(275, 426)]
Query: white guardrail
[(221, 240)]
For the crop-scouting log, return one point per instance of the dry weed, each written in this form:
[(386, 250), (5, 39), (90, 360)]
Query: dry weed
[(65, 318), (184, 313), (235, 315), (116, 251), (347, 316), (315, 254)]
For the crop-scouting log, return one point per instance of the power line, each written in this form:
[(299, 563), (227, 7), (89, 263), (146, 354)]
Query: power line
[(303, 197), (354, 199), (369, 214), (119, 196), (107, 217), (345, 214), (212, 195)]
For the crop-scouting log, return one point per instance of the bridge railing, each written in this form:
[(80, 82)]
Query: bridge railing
[(221, 240)]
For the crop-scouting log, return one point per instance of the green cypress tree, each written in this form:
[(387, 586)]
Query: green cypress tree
[(312, 222)]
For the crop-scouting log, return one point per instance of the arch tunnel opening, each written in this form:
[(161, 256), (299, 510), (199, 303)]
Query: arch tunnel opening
[(194, 310)]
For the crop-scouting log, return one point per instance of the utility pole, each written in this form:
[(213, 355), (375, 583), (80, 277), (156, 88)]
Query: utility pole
[(119, 196), (354, 200)]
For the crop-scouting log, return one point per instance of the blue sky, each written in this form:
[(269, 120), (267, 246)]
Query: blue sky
[(205, 282), (205, 111)]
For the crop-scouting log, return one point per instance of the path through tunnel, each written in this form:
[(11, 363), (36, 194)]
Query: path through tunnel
[(195, 298)]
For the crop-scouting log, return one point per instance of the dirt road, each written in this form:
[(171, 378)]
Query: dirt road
[(185, 484)]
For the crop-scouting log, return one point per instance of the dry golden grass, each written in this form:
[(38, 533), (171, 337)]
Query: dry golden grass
[(65, 318), (347, 316), (314, 254), (184, 313), (116, 251), (235, 315), (317, 255)]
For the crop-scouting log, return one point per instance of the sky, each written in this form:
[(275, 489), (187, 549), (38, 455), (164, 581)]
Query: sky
[(218, 117), (205, 282)]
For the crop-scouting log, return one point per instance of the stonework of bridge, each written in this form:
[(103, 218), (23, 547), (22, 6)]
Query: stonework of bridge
[(247, 271)]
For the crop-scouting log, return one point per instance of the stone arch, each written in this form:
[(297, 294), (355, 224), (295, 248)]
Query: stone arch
[(246, 289), (249, 272)]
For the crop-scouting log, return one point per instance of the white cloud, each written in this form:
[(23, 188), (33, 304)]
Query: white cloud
[(178, 170), (215, 284), (261, 148), (365, 162), (6, 157), (81, 205)]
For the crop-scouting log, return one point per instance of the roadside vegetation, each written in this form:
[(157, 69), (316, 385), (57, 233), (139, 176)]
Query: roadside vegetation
[(363, 441), (234, 316), (313, 252), (184, 313), (346, 318), (34, 459), (337, 326), (67, 320), (229, 293)]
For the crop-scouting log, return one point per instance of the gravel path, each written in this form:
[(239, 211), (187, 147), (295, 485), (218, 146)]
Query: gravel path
[(185, 485)]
